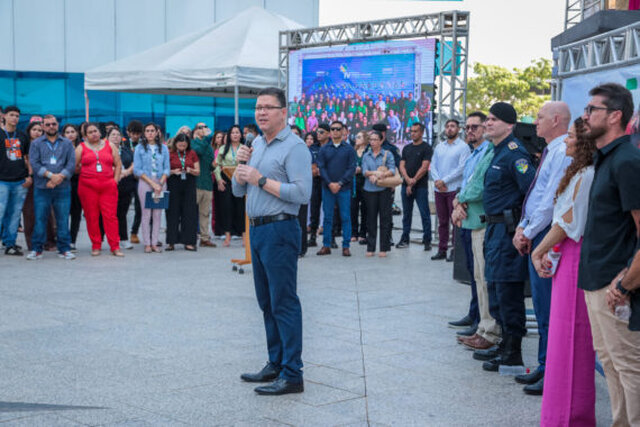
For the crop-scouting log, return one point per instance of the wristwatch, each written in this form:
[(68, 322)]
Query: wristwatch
[(622, 290), (262, 181)]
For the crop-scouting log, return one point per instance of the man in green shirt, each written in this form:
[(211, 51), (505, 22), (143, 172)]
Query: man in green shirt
[(201, 144)]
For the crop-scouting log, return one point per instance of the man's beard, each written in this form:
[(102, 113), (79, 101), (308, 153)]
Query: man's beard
[(595, 132), (52, 132)]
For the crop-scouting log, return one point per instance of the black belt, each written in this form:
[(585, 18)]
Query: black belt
[(262, 220), (492, 219)]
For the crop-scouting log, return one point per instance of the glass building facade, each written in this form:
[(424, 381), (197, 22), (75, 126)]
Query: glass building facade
[(62, 94)]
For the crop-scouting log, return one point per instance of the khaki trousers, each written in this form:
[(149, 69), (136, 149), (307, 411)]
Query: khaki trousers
[(488, 328), (203, 199), (618, 349)]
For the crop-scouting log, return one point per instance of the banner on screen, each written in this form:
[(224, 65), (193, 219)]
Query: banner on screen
[(363, 84)]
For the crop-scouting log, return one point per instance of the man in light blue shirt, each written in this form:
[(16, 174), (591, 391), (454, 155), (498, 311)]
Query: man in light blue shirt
[(277, 180), (537, 212)]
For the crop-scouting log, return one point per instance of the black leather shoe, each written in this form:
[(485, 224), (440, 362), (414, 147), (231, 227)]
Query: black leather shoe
[(280, 386), (465, 322), (531, 378), (492, 365), (487, 354), (427, 247), (450, 256), (440, 255), (402, 244), (535, 389), (268, 373), (312, 243), (469, 332)]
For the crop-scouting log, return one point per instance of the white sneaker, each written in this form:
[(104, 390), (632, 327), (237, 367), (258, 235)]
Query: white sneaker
[(33, 255), (125, 244), (66, 255)]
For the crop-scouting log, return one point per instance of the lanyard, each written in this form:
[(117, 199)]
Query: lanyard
[(182, 159), (233, 154), (52, 147)]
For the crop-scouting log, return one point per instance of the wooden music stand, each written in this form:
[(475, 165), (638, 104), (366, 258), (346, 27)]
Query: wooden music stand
[(238, 263)]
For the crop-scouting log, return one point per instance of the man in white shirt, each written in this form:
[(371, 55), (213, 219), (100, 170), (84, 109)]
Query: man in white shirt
[(447, 167)]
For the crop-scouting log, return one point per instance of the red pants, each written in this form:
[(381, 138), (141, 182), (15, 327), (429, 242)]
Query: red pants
[(100, 198)]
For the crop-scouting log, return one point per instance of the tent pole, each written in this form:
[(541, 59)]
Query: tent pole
[(236, 97), (86, 106)]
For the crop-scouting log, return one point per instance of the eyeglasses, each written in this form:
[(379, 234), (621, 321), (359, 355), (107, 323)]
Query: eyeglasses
[(336, 129), (471, 128), (50, 124), (202, 127), (263, 108), (588, 110)]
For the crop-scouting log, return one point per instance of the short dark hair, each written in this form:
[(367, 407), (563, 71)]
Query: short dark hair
[(452, 121), (337, 122), (617, 98), (182, 137), (278, 93), (479, 114), (11, 108), (49, 116), (296, 128), (377, 132), (418, 124), (135, 126), (252, 127)]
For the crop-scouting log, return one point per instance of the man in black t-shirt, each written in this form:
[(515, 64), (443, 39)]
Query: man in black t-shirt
[(15, 179), (414, 167)]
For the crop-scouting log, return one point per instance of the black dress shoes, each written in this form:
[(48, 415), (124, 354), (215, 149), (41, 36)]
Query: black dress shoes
[(535, 389), (492, 365), (440, 255), (469, 332), (402, 244), (488, 354), (465, 322), (268, 373), (280, 386), (531, 378)]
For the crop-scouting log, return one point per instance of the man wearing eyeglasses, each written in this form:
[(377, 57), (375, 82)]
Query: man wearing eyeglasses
[(337, 164), (53, 162), (610, 244), (201, 144), (276, 180), (552, 125)]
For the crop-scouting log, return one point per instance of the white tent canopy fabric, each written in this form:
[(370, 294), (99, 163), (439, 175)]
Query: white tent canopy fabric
[(235, 56)]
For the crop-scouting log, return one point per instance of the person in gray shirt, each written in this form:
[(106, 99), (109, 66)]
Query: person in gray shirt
[(275, 174)]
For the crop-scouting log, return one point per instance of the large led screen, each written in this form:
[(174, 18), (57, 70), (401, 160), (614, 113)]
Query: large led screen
[(364, 84)]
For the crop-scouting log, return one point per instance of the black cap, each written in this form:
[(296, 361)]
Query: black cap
[(380, 127), (504, 112), (324, 126)]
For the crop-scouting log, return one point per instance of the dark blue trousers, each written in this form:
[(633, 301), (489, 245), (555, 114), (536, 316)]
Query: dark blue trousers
[(421, 197), (465, 237), (541, 296), (274, 256), (512, 312)]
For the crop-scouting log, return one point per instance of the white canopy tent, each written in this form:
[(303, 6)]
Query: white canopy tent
[(235, 57)]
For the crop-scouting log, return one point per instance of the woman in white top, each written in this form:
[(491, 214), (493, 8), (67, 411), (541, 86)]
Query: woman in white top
[(569, 388)]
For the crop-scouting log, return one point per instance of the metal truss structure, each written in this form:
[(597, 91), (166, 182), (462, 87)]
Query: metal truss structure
[(616, 48), (450, 28), (577, 11)]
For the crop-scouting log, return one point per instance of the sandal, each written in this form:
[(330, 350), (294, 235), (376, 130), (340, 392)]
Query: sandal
[(117, 253), (382, 254), (95, 252), (370, 254), (156, 249), (147, 249), (170, 248), (189, 248)]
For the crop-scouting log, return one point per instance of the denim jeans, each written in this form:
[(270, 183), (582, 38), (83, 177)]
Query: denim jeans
[(343, 198), (421, 197), (12, 195), (43, 199)]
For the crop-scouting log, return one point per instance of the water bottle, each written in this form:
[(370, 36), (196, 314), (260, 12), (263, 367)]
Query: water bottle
[(623, 311), (554, 256)]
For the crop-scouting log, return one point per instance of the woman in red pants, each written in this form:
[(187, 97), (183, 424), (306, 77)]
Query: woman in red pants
[(99, 167)]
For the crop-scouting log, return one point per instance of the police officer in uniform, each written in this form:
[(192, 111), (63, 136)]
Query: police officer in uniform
[(277, 180), (506, 183)]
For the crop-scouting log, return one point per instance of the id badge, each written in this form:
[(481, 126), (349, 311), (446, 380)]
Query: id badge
[(53, 160), (98, 167), (183, 176)]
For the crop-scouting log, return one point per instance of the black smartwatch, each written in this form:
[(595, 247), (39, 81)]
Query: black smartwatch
[(622, 290), (262, 181)]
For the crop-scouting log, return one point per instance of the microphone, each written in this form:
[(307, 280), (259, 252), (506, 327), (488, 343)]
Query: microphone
[(248, 140)]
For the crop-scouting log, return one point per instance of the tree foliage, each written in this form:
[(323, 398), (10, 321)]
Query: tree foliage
[(526, 89)]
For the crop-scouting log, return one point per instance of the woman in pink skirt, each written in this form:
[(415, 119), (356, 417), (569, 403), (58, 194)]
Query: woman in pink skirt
[(569, 385)]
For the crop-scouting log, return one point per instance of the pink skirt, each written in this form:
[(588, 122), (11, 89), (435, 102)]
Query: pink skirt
[(569, 395)]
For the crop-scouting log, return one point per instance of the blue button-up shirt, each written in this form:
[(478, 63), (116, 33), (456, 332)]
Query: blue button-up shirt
[(42, 151), (370, 162), (285, 159), (538, 210), (472, 161)]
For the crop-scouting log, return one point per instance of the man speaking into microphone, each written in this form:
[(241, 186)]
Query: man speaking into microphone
[(275, 174)]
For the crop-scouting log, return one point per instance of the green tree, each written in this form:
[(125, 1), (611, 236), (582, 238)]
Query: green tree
[(526, 89)]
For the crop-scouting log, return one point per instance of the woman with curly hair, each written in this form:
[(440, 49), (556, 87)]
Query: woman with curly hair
[(569, 388)]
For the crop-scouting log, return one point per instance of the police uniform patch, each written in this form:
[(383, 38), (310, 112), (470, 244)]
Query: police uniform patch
[(522, 165), (512, 145)]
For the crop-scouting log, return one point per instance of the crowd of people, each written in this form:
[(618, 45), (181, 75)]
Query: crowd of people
[(515, 215)]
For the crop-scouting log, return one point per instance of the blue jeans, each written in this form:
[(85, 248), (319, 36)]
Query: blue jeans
[(43, 199), (12, 195), (343, 198), (274, 257), (541, 296), (421, 197), (465, 237)]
